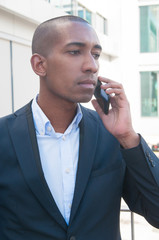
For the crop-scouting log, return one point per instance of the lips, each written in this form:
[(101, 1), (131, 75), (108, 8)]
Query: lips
[(88, 83)]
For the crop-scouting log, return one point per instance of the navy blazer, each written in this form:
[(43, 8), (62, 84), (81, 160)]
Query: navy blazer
[(106, 172)]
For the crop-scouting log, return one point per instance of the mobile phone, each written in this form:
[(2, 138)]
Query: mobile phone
[(102, 97)]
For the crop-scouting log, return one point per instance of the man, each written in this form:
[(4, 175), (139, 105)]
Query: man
[(64, 168)]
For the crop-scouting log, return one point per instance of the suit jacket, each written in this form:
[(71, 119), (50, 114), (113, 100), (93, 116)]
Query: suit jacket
[(106, 172)]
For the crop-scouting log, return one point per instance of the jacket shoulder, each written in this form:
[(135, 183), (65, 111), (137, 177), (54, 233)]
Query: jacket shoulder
[(18, 112), (92, 116), (90, 113)]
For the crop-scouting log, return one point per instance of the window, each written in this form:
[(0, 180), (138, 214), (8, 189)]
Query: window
[(73, 7), (80, 11), (66, 5), (88, 16), (149, 93), (101, 24), (84, 13), (149, 28)]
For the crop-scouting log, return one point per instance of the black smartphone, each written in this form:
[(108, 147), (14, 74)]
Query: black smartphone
[(102, 97)]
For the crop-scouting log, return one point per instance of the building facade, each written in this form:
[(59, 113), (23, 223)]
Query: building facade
[(129, 34), (149, 68)]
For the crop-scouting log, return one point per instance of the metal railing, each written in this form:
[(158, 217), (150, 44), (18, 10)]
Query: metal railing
[(132, 222)]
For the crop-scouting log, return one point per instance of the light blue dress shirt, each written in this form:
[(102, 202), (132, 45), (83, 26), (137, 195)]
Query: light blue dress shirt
[(59, 157)]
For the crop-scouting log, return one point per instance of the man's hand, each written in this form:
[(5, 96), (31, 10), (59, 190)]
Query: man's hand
[(118, 121)]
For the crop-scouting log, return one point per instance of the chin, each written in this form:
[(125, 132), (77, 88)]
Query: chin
[(85, 99)]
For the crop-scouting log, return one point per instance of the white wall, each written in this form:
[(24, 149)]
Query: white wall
[(18, 20), (26, 83), (5, 78), (32, 10), (129, 55), (15, 42)]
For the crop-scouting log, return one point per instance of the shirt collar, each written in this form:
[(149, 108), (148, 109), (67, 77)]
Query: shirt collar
[(43, 125)]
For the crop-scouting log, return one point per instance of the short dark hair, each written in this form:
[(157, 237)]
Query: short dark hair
[(41, 40)]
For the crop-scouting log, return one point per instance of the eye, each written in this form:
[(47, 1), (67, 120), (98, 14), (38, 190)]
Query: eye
[(74, 52), (96, 55)]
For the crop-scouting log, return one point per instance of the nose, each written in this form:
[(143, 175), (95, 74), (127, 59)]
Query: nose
[(90, 64)]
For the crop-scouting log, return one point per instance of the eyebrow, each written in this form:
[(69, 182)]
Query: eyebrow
[(80, 44)]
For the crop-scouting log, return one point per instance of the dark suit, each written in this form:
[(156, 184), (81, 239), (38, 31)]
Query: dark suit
[(27, 209)]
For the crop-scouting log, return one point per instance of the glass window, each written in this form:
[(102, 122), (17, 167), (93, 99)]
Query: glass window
[(80, 11), (65, 4), (84, 13), (101, 24), (149, 28), (149, 93), (88, 16)]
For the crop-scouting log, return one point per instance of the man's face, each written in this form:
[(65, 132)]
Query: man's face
[(72, 65)]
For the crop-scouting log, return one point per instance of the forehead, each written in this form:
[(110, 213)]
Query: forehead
[(76, 32)]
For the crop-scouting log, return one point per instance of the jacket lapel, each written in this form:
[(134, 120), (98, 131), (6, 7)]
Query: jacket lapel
[(24, 140), (88, 142)]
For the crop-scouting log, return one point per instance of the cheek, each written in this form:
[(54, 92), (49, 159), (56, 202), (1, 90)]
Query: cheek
[(60, 79), (63, 74), (60, 68)]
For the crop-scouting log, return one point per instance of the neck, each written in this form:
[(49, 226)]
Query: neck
[(60, 114)]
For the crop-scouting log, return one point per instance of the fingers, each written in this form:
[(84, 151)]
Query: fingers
[(106, 80), (114, 91), (111, 87), (110, 83)]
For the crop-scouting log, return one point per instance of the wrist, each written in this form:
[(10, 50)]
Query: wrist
[(130, 140)]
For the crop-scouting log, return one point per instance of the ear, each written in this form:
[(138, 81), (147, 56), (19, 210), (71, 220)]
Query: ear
[(38, 64)]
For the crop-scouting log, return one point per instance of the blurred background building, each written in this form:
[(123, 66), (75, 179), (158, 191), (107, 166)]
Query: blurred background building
[(129, 34)]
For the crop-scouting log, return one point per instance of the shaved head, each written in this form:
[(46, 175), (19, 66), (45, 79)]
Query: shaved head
[(47, 33)]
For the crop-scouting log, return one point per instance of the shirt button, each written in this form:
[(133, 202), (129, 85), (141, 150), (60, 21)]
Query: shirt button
[(64, 137), (70, 206), (72, 238), (67, 170)]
